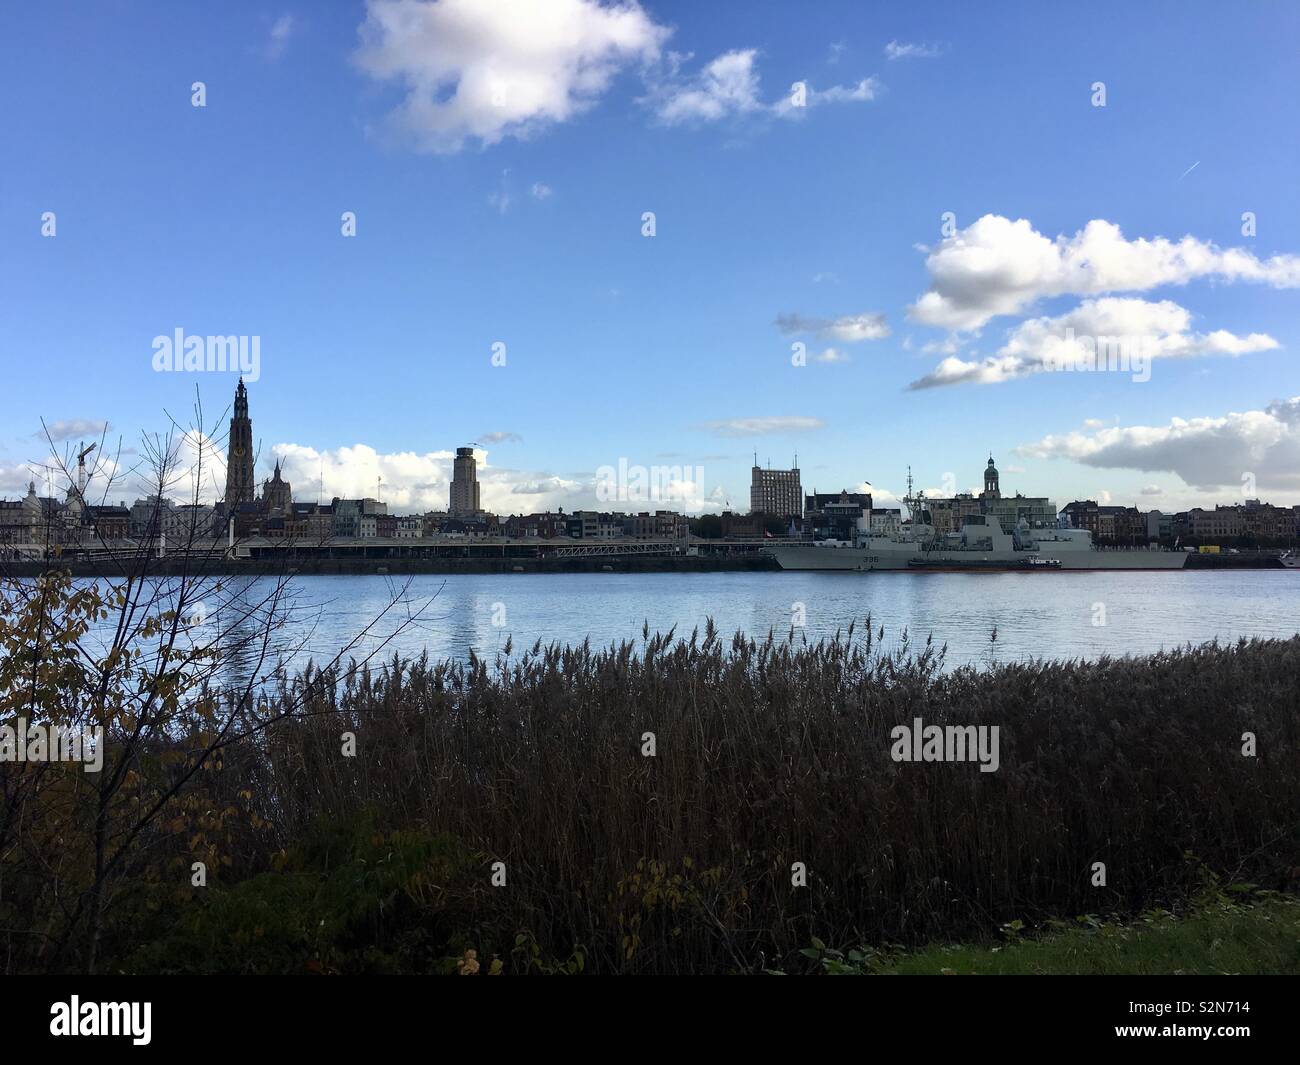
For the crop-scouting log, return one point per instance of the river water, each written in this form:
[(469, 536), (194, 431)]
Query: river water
[(1048, 615)]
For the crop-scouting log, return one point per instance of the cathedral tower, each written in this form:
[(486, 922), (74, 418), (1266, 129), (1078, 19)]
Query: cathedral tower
[(239, 454)]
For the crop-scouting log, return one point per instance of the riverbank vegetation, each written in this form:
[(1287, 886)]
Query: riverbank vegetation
[(673, 804)]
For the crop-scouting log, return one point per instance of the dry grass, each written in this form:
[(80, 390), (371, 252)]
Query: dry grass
[(770, 753)]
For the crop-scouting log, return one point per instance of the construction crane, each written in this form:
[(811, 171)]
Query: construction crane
[(81, 471)]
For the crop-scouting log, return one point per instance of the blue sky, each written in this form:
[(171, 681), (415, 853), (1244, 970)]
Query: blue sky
[(519, 220)]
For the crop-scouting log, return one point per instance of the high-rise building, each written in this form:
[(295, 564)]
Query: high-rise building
[(464, 484), (239, 452), (777, 493)]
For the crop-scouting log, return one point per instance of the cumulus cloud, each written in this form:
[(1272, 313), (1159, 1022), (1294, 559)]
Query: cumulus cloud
[(900, 50), (997, 267), (472, 71), (415, 482), (728, 86), (14, 479), (1206, 452), (848, 329), (1099, 330), (763, 426)]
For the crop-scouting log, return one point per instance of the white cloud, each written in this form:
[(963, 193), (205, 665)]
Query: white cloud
[(414, 483), (1206, 452), (833, 355), (540, 191), (1150, 330), (502, 438), (848, 329), (949, 345), (473, 71), (863, 91), (763, 426), (278, 39), (996, 266), (897, 50), (14, 479), (90, 429), (726, 86)]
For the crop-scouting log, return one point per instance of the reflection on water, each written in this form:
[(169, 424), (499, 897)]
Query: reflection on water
[(1052, 615)]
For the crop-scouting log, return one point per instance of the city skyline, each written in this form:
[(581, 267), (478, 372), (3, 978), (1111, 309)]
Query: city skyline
[(233, 482), (954, 233)]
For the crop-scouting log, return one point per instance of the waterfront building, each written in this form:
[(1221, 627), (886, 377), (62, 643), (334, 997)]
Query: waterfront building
[(949, 514), (545, 525), (742, 526), (776, 493), (22, 520), (834, 515), (109, 522), (464, 500), (885, 521), (148, 515), (1159, 526), (1109, 525), (186, 522), (357, 517), (311, 521), (1252, 522), (593, 525), (409, 527), (662, 524)]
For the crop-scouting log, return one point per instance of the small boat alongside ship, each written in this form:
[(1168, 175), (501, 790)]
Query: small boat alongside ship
[(983, 565)]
